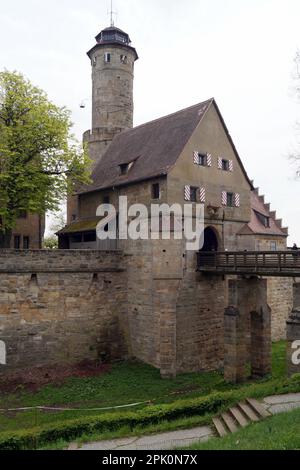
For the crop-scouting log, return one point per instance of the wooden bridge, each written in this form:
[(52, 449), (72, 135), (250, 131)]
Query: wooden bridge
[(261, 263)]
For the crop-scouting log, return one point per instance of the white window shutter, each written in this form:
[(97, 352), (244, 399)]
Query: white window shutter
[(202, 194), (187, 193), (220, 163), (196, 158), (224, 198), (209, 159), (237, 200), (230, 165)]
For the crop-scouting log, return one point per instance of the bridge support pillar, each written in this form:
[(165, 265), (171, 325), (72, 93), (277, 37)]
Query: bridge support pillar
[(235, 347), (261, 345), (293, 334), (247, 330)]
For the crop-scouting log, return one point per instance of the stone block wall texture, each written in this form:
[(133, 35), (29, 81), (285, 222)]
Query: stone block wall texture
[(62, 307), (280, 300), (247, 329)]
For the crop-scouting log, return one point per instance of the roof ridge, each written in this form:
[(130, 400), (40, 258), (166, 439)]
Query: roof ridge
[(211, 100)]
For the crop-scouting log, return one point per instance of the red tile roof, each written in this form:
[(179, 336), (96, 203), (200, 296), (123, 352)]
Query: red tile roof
[(255, 225)]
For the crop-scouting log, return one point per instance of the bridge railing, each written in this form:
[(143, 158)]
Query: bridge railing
[(265, 262)]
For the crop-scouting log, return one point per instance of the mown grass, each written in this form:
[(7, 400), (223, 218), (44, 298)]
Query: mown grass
[(126, 383), (279, 432)]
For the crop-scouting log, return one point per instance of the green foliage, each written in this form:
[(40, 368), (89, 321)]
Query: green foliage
[(187, 399), (40, 161), (202, 406), (50, 243)]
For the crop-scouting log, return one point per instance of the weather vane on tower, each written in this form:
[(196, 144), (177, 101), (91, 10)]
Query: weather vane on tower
[(112, 13)]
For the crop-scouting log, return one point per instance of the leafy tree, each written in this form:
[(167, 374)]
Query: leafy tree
[(40, 161), (58, 222)]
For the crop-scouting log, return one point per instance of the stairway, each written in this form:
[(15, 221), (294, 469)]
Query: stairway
[(240, 416)]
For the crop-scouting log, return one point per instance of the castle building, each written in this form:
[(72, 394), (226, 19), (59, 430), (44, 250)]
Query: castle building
[(116, 299), (186, 156)]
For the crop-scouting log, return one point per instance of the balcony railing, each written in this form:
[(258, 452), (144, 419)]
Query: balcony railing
[(264, 263)]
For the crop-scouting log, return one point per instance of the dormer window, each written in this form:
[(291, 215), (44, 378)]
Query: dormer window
[(107, 57), (264, 220), (125, 167)]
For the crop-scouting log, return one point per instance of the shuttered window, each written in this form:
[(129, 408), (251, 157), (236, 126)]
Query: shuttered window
[(225, 165), (202, 159), (194, 194), (230, 199)]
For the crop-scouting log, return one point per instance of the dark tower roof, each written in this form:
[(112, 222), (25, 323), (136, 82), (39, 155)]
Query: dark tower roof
[(113, 36)]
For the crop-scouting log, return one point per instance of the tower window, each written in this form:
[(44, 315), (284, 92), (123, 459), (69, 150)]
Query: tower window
[(106, 200), (107, 57), (155, 191), (123, 59)]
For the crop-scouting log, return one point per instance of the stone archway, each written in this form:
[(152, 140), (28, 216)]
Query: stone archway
[(211, 242)]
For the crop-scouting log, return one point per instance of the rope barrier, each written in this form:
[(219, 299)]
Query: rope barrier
[(50, 408)]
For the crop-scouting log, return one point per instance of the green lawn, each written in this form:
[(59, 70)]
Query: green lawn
[(126, 383), (279, 432)]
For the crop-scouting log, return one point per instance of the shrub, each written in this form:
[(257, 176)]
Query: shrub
[(154, 414)]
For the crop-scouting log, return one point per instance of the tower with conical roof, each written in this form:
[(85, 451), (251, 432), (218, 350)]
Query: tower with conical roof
[(112, 61)]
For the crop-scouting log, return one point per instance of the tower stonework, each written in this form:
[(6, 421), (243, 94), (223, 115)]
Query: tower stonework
[(112, 62)]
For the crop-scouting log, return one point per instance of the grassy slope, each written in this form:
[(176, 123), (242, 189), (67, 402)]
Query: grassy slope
[(280, 432), (126, 383)]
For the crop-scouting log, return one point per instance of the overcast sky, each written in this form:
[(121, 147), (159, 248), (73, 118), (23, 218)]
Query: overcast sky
[(239, 51)]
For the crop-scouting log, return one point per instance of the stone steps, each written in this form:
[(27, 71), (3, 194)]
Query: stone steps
[(240, 416)]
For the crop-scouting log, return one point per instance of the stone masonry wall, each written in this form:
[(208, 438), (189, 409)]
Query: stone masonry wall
[(62, 307), (280, 300)]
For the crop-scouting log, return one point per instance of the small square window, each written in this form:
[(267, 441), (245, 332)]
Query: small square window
[(202, 159), (225, 165), (273, 246), (230, 199), (125, 167), (106, 200), (123, 59), (193, 194), (155, 191), (17, 242), (26, 243)]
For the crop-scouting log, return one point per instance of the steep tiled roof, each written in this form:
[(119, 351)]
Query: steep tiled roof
[(153, 147)]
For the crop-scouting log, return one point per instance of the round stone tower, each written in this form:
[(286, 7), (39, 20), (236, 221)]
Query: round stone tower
[(112, 62)]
